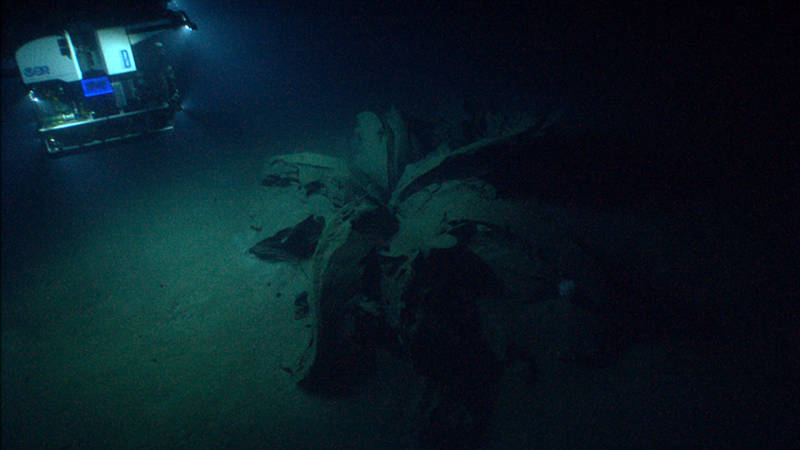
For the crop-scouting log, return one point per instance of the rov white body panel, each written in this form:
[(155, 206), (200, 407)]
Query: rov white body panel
[(116, 50), (48, 58)]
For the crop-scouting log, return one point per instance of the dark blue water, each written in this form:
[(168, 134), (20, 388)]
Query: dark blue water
[(704, 102)]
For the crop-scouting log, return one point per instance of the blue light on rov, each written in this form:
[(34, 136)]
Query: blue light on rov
[(96, 86), (33, 97)]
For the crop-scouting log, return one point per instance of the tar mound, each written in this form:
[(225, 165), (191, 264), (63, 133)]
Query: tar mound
[(444, 256)]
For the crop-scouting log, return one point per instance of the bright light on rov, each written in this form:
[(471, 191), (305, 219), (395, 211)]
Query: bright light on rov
[(33, 97)]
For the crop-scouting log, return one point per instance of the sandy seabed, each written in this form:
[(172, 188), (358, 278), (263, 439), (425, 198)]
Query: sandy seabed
[(147, 325), (138, 320)]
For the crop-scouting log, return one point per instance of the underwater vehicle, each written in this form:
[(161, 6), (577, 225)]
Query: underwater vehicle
[(92, 85)]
